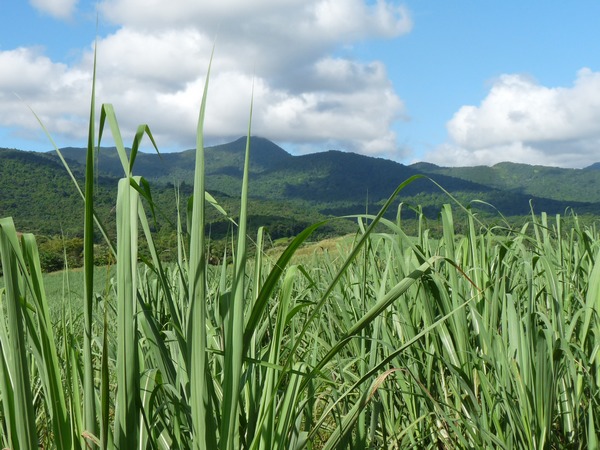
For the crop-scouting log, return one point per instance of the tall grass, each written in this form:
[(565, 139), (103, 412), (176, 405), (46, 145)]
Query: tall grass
[(483, 340)]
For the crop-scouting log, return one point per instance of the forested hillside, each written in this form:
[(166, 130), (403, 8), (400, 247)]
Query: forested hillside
[(580, 185), (286, 192)]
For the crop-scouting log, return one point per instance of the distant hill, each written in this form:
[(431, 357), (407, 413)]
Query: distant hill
[(36, 190), (226, 159), (569, 185), (275, 174), (287, 192)]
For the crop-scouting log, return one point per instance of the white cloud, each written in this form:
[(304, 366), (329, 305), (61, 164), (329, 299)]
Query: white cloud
[(523, 121), (267, 37), (342, 111), (152, 69), (258, 19), (60, 9), (453, 155), (51, 89)]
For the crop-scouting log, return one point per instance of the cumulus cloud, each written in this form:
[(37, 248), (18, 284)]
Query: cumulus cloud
[(53, 90), (60, 9), (152, 69), (523, 121), (309, 21)]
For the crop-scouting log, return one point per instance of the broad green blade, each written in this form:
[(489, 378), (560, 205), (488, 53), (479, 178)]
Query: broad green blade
[(89, 391), (48, 362), (18, 397), (127, 402), (196, 332), (234, 331)]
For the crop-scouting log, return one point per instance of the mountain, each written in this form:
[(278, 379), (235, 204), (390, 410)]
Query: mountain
[(568, 185), (225, 159), (38, 192), (275, 174), (287, 192)]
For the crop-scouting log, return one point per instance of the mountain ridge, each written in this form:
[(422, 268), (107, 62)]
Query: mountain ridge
[(563, 184), (291, 189), (267, 158)]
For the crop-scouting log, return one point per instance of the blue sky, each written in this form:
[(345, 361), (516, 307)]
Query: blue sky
[(454, 82)]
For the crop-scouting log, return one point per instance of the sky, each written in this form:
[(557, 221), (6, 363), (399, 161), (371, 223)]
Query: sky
[(453, 82)]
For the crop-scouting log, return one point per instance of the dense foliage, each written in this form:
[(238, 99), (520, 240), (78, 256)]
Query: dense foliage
[(286, 191), (484, 339), (566, 185)]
